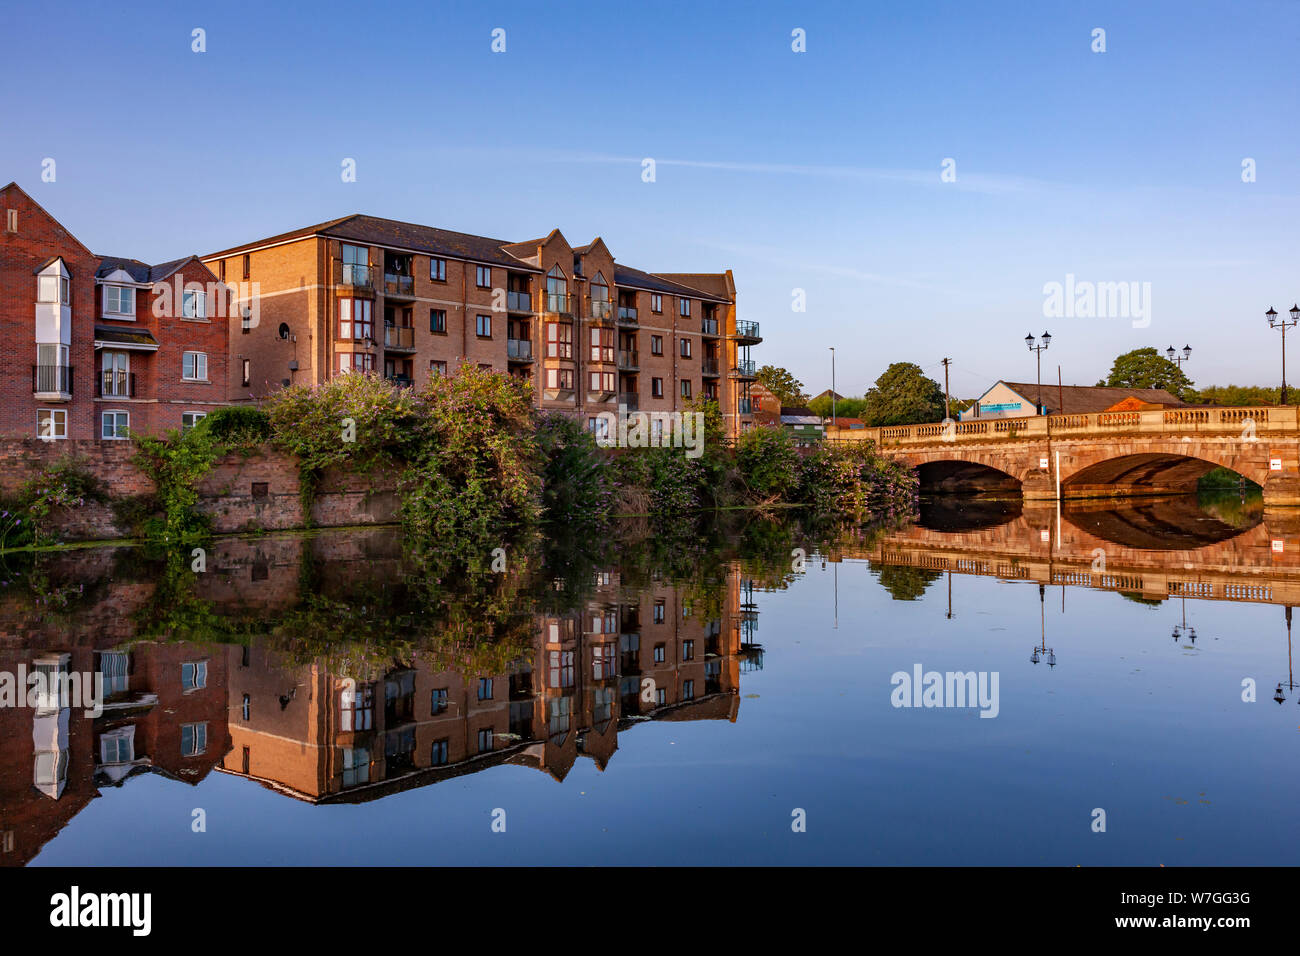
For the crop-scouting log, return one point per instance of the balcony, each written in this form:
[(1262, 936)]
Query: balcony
[(52, 383), (399, 338), (709, 366), (627, 315), (747, 333), (708, 326), (629, 400), (629, 360), (399, 286), (600, 311), (745, 368), (115, 383), (519, 350), (401, 381), (354, 275), (557, 303), (519, 302), (745, 406)]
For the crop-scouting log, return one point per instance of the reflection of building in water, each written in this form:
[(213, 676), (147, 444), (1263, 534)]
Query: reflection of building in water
[(626, 656), (164, 713)]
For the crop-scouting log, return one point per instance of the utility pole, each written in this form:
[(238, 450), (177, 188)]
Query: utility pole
[(832, 386), (947, 405)]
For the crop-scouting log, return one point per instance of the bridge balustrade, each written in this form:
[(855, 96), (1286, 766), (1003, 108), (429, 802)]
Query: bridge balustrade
[(1276, 420)]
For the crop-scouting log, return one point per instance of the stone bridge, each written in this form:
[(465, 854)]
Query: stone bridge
[(1103, 454)]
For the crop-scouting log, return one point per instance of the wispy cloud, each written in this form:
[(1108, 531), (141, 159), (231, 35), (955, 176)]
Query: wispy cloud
[(965, 181)]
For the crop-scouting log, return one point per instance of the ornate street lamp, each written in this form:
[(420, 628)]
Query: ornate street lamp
[(1281, 323), (1038, 350), (1179, 359)]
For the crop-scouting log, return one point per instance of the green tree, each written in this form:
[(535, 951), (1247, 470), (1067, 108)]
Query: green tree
[(787, 389), (903, 396), (1147, 368), (843, 408), (1238, 395)]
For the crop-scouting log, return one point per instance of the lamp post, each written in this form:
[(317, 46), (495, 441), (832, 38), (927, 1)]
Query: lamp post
[(1179, 359), (832, 386), (1275, 323), (1038, 351)]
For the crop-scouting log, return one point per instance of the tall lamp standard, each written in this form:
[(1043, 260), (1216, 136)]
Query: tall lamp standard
[(1038, 350), (1275, 323), (832, 386), (1179, 359)]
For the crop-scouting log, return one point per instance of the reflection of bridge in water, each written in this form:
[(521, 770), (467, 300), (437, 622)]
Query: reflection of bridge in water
[(1156, 548)]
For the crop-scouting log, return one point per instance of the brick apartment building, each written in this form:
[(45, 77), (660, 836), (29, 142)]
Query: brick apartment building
[(99, 344), (409, 301)]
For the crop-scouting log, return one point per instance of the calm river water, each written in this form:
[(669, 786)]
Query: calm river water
[(728, 695)]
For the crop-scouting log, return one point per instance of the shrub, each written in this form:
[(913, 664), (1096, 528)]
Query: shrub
[(768, 462)]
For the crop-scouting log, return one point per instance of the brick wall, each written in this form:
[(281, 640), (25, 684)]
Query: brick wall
[(258, 491)]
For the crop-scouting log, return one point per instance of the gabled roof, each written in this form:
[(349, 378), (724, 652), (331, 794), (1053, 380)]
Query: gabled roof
[(649, 282), (371, 230), (1087, 398), (14, 186), (430, 240), (141, 271)]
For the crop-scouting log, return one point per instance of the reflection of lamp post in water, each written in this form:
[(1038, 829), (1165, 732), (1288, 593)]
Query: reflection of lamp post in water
[(1184, 630), (1290, 677), (1043, 652)]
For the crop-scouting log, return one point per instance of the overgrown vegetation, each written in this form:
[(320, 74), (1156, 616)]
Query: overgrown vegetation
[(475, 467)]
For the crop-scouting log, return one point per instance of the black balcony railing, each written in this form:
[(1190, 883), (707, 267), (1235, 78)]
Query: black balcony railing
[(115, 383), (401, 381), (519, 350), (519, 301), (399, 337), (627, 314), (399, 285), (599, 310), (744, 368), (629, 359), (629, 400), (747, 330), (709, 366), (52, 379), (709, 326), (745, 406), (559, 303)]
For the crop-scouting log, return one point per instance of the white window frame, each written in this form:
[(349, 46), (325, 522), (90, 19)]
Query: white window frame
[(195, 418), (55, 414), (119, 312), (194, 304), (198, 739), (113, 411), (62, 290), (198, 676), (195, 377)]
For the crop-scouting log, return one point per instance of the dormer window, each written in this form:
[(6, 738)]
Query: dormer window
[(52, 288), (119, 301)]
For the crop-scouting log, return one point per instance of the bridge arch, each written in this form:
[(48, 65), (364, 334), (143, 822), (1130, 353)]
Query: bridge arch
[(1152, 470), (960, 476)]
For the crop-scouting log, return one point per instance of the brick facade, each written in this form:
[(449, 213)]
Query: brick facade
[(429, 300), (73, 356)]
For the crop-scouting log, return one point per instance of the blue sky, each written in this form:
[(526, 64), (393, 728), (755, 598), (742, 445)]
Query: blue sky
[(817, 171)]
